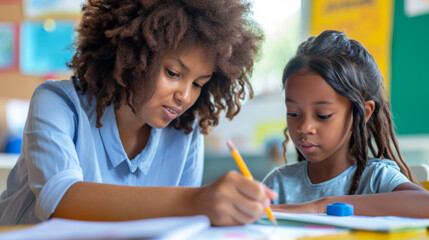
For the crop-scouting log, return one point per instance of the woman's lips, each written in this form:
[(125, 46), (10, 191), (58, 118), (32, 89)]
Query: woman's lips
[(171, 112)]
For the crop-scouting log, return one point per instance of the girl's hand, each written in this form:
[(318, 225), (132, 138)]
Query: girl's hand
[(233, 200)]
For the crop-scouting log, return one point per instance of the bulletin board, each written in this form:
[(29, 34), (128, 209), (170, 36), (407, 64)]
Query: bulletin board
[(410, 68), (13, 84), (369, 22), (19, 79)]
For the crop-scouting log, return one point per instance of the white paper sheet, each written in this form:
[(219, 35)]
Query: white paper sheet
[(159, 228), (266, 232), (383, 224)]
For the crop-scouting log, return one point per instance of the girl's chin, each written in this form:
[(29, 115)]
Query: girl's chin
[(308, 157)]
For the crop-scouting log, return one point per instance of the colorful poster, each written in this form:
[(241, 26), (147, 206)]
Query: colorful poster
[(52, 8), (368, 21), (8, 46), (46, 46), (414, 8)]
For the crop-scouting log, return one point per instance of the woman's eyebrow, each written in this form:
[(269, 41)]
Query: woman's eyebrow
[(180, 63), (187, 68)]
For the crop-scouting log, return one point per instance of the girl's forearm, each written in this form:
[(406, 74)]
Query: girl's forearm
[(107, 202), (406, 203)]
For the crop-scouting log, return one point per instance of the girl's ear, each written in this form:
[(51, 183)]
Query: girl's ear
[(369, 109)]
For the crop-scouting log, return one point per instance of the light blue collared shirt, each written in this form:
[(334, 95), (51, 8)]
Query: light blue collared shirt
[(62, 146), (294, 186)]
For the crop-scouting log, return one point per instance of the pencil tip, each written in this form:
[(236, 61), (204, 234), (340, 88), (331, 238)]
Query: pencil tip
[(274, 222), (230, 145)]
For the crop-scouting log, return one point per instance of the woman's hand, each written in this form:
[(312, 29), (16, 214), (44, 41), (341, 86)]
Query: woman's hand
[(233, 200)]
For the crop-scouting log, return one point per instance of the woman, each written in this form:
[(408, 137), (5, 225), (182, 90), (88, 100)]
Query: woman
[(121, 140)]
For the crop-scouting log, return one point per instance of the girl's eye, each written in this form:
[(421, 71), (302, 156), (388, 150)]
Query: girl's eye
[(324, 116), (172, 74), (292, 114)]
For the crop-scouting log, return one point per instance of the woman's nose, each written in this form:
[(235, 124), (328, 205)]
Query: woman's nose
[(183, 94)]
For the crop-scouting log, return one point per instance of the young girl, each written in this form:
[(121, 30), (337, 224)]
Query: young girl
[(121, 140), (336, 114)]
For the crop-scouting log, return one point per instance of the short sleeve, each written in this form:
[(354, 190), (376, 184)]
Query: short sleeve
[(269, 179), (385, 176), (193, 171), (274, 180), (48, 146)]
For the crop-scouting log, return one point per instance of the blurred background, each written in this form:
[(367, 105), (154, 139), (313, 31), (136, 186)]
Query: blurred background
[(36, 41)]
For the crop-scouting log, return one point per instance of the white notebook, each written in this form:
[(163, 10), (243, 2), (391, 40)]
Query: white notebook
[(176, 228), (381, 224)]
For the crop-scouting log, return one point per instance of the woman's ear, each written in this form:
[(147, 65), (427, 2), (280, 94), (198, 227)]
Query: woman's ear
[(369, 109)]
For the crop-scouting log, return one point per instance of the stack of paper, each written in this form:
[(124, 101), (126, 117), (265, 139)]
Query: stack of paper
[(264, 232), (177, 228), (381, 224), (158, 228)]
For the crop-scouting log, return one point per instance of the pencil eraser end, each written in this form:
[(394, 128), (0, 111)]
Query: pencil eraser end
[(230, 145), (339, 209)]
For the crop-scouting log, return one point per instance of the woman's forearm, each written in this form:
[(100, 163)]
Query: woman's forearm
[(107, 202), (231, 200)]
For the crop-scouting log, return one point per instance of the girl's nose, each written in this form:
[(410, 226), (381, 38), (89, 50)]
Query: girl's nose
[(183, 94), (306, 126)]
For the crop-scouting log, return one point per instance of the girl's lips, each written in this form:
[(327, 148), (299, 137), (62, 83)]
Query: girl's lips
[(171, 112), (308, 148)]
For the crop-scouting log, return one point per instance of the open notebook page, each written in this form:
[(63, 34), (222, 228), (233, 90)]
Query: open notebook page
[(176, 228)]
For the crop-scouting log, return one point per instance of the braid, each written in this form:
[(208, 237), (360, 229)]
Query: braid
[(359, 149), (284, 144)]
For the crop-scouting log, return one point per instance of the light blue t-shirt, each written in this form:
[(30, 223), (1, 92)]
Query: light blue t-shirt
[(62, 146), (293, 184)]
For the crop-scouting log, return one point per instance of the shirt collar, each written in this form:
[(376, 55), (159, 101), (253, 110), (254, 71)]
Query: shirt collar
[(145, 159), (112, 144)]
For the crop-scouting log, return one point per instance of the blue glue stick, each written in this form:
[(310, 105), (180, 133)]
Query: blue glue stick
[(339, 209)]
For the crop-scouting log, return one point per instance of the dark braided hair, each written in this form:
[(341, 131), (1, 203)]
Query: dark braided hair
[(120, 45), (352, 72)]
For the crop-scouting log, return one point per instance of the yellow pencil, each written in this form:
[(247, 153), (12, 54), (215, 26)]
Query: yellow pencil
[(245, 171)]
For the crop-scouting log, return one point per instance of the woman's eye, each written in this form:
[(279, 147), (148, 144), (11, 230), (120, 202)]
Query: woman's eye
[(324, 116), (197, 85), (292, 114), (173, 74)]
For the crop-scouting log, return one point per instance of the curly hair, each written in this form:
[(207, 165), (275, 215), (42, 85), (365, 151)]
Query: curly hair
[(120, 45), (352, 72)]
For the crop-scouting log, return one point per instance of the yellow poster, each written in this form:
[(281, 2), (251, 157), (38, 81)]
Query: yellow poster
[(368, 21)]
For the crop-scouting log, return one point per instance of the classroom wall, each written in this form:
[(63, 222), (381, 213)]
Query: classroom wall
[(13, 83), (410, 71), (34, 46)]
